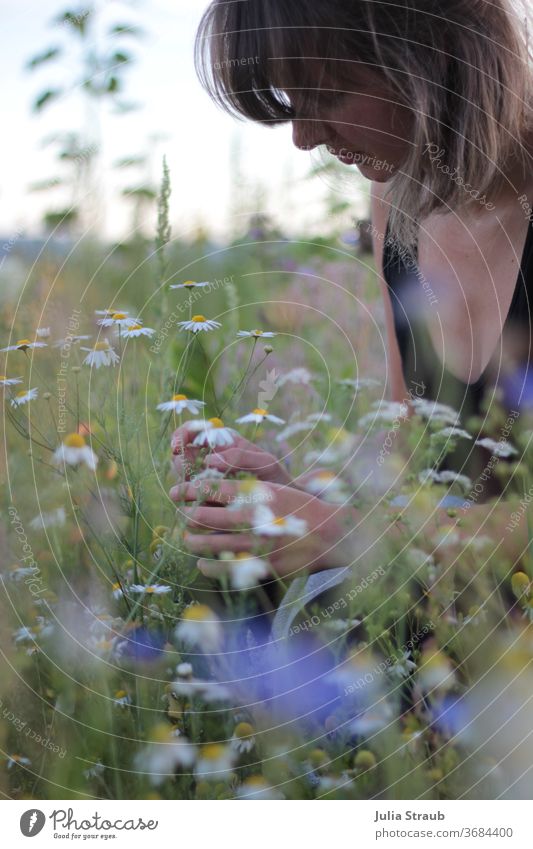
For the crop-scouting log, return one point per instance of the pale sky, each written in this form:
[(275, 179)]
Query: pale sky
[(200, 136)]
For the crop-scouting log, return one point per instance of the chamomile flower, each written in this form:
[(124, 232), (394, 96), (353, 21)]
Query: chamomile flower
[(24, 345), (191, 688), (24, 397), (199, 323), (403, 666), (215, 761), (499, 449), (243, 569), (73, 451), (213, 433), (179, 403), (190, 284), (150, 589), (446, 476), (327, 485), (200, 627), (101, 355), (258, 416), (20, 573), (452, 432), (116, 591), (243, 739), (256, 334), (9, 381), (267, 523), (167, 753), (135, 330), (122, 699), (17, 760), (120, 320)]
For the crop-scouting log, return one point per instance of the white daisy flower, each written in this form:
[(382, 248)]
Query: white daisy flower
[(255, 787), (250, 492), (452, 431), (184, 670), (179, 403), (256, 334), (436, 671), (428, 409), (94, 771), (446, 476), (52, 519), (208, 691), (292, 429), (24, 397), (135, 330), (150, 589), (43, 332), (258, 416), (116, 590), (101, 355), (122, 699), (213, 433), (243, 739), (24, 635), (73, 451), (403, 666), (199, 323), (190, 284), (385, 411), (200, 627), (268, 524), (69, 340), (19, 573), (500, 449), (17, 760), (119, 319), (24, 345), (9, 381), (326, 484), (243, 569), (159, 760), (207, 474), (318, 417), (295, 375), (215, 761), (371, 721)]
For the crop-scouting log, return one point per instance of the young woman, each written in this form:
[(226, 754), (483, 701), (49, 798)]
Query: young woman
[(432, 101)]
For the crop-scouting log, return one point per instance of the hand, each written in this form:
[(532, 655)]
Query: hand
[(241, 456), (214, 528)]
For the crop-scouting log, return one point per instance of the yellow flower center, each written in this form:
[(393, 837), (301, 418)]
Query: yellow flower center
[(257, 332), (198, 318), (21, 394), (101, 346), (243, 730), (3, 377), (325, 476), (212, 751), (136, 327), (179, 397), (259, 411), (216, 422), (149, 589), (120, 694), (279, 520), (117, 316), (74, 440), (243, 555), (115, 587), (23, 343), (198, 613), (189, 283)]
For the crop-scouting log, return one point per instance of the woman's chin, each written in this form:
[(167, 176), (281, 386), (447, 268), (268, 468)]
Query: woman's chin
[(377, 175)]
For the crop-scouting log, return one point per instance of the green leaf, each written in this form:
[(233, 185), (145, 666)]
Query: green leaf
[(45, 98), (41, 58), (126, 29)]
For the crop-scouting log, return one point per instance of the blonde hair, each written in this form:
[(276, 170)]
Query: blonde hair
[(462, 66)]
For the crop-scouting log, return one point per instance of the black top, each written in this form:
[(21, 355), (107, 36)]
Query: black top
[(424, 373)]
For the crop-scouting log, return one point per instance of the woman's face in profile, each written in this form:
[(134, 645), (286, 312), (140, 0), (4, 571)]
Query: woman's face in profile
[(360, 122)]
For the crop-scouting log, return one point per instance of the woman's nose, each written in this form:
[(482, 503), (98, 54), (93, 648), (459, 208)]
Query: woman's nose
[(307, 134)]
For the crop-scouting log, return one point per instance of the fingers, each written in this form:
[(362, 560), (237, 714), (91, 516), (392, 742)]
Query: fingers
[(209, 492), (259, 463), (209, 544), (215, 518)]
